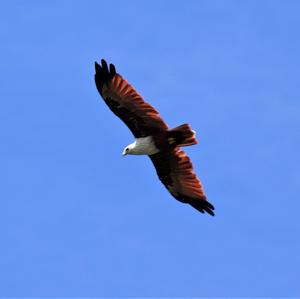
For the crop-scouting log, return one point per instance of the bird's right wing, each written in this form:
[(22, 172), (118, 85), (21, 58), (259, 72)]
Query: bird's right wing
[(140, 117), (175, 171)]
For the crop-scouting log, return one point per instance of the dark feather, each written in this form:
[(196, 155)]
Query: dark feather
[(175, 171), (140, 117)]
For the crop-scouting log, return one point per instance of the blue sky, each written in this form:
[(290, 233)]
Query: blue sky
[(78, 219)]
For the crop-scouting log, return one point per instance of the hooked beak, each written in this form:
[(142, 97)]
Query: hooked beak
[(124, 154)]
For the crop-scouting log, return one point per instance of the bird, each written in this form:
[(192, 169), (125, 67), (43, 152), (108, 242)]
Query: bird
[(154, 138)]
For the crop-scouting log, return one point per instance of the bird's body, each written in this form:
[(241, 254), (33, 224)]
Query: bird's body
[(141, 146), (154, 138)]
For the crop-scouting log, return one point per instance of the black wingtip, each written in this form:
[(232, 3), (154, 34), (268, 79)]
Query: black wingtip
[(104, 70), (210, 212), (97, 67), (203, 206), (112, 69), (209, 205), (103, 74), (104, 66), (208, 208)]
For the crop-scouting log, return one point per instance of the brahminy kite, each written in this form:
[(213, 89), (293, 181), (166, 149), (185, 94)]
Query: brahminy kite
[(153, 137)]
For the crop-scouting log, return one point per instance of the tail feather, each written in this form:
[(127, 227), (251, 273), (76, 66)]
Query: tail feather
[(182, 135)]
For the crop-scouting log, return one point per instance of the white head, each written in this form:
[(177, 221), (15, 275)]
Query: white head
[(141, 146), (128, 149)]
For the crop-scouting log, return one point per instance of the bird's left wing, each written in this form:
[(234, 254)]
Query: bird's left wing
[(140, 117), (175, 171)]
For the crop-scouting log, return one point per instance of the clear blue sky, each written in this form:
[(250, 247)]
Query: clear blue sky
[(78, 219)]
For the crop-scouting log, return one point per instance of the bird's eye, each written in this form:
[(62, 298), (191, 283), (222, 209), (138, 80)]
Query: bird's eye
[(127, 149)]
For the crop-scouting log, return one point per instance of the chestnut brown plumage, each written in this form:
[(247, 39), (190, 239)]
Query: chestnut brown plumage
[(173, 166), (140, 117), (175, 171)]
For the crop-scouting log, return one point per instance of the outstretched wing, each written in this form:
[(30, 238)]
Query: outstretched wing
[(140, 117), (175, 171)]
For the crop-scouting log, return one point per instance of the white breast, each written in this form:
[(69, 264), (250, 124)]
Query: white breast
[(144, 146)]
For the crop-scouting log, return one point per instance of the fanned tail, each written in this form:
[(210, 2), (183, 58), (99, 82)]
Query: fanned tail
[(182, 135)]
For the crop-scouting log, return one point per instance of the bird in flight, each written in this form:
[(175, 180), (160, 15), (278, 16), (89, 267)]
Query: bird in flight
[(153, 138)]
